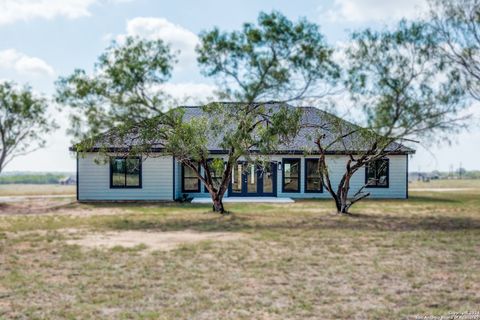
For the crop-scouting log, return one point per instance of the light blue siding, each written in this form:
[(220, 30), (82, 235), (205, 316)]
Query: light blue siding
[(337, 163), (94, 181), (159, 175)]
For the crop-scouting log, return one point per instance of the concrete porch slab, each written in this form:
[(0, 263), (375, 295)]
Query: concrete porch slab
[(246, 199)]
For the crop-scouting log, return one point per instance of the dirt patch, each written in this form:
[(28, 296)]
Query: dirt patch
[(162, 241), (61, 206)]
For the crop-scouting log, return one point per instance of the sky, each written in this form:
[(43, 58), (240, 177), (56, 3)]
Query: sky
[(42, 40)]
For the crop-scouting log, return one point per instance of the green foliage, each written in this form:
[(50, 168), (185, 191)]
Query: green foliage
[(123, 90), (403, 90), (275, 60), (455, 27), (405, 93), (23, 122)]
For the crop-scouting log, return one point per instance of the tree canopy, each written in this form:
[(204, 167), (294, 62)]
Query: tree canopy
[(23, 122), (404, 93)]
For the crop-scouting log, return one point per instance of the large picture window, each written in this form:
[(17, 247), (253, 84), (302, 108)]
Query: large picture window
[(376, 174), (313, 178), (125, 172), (190, 181), (291, 175)]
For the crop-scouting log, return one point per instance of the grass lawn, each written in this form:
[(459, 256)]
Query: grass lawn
[(390, 260), (36, 189)]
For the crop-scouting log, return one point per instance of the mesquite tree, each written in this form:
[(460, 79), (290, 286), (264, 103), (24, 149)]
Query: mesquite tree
[(23, 122), (276, 59), (455, 26), (404, 93), (241, 130)]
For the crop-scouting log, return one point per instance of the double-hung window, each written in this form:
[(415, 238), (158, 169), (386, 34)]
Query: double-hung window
[(376, 174), (291, 175), (125, 172), (313, 178), (190, 181)]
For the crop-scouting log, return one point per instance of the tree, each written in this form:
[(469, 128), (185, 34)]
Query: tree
[(276, 59), (455, 26), (404, 95), (23, 122), (123, 91)]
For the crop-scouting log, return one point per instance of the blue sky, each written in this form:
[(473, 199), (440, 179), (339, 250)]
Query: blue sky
[(44, 39)]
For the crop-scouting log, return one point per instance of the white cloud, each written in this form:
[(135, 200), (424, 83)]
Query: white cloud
[(12, 59), (375, 10), (24, 10), (178, 37)]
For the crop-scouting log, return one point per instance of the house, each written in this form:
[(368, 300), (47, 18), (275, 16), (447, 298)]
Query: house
[(292, 173), (67, 180)]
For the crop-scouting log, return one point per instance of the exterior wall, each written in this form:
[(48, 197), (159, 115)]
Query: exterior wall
[(162, 180), (397, 178), (94, 181)]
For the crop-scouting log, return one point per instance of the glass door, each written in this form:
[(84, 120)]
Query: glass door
[(236, 186), (250, 180)]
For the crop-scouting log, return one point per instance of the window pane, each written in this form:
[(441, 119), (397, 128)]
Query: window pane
[(190, 184), (291, 185), (133, 172), (118, 172), (237, 178), (382, 172), (188, 172), (251, 178), (371, 173), (190, 181), (377, 173), (291, 170), (216, 176), (267, 179), (314, 181)]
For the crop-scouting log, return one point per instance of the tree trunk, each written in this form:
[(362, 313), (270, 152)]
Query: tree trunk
[(342, 203), (218, 204)]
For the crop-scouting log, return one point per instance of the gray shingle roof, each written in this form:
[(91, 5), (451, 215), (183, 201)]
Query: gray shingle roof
[(314, 122)]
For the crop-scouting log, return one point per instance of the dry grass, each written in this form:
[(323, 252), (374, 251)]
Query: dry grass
[(446, 183), (35, 189), (390, 260)]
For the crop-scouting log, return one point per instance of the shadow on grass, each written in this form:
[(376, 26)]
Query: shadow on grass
[(253, 223)]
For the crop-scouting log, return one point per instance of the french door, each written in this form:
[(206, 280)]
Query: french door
[(251, 180)]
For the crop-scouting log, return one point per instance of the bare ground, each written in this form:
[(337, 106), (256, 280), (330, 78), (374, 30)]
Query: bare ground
[(163, 241)]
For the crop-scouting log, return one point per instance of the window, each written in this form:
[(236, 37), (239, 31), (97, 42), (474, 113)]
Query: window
[(376, 174), (291, 175), (190, 181), (216, 176), (125, 172), (313, 178)]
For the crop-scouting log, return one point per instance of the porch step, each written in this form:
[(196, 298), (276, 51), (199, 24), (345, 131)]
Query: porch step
[(246, 199)]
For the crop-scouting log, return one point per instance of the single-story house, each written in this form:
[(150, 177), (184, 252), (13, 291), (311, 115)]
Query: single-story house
[(292, 172)]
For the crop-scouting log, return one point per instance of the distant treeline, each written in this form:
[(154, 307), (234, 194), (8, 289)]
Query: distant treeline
[(43, 178), (457, 174)]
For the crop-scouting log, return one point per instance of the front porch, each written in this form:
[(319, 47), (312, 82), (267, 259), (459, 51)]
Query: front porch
[(246, 199)]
